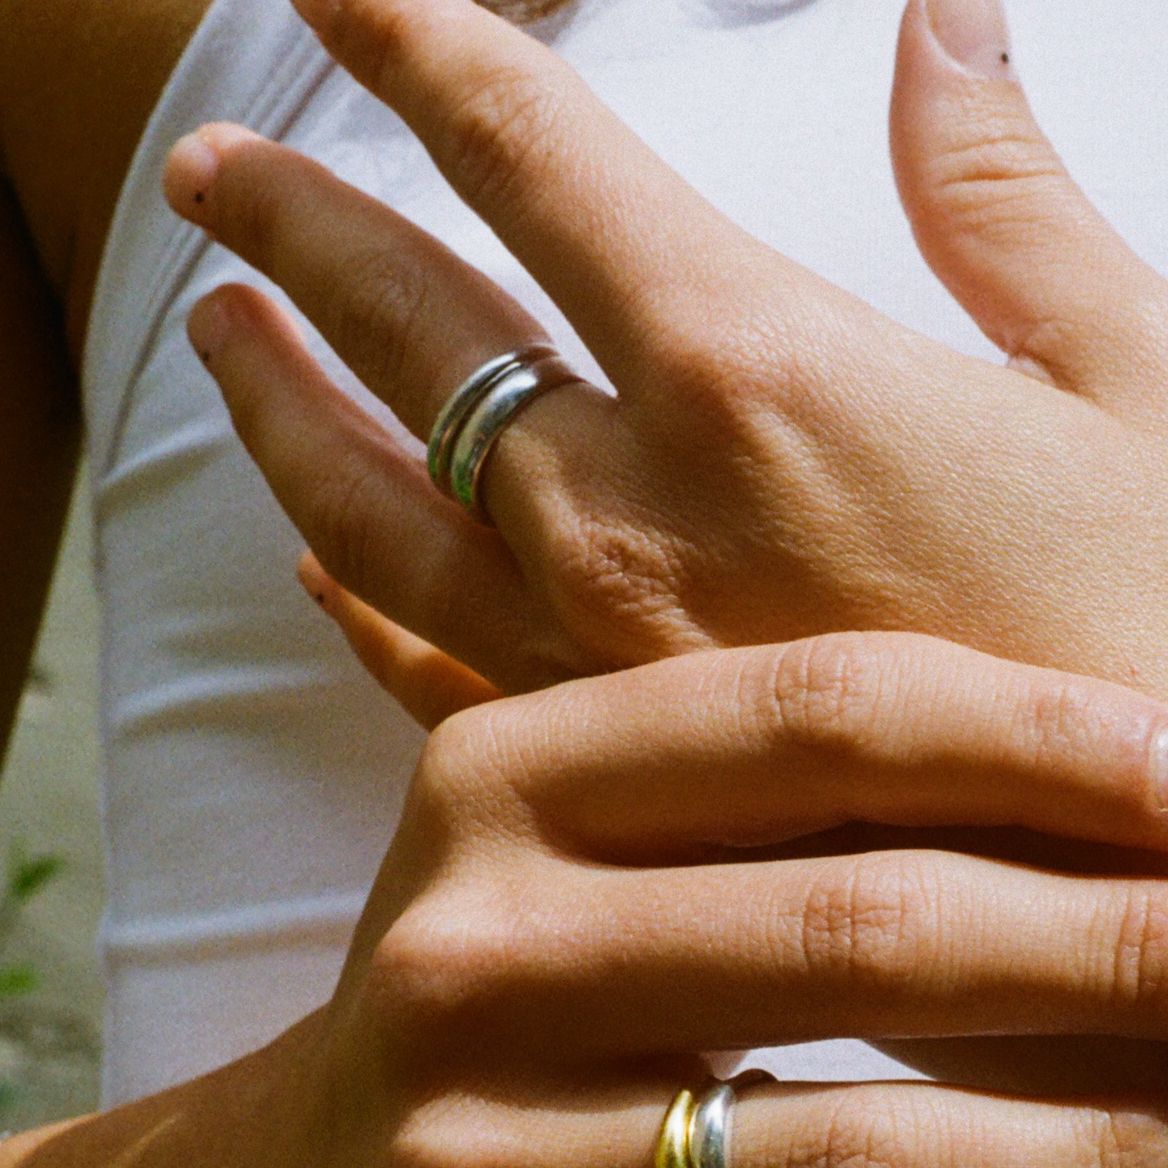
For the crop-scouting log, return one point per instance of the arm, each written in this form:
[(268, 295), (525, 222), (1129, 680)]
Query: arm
[(39, 441), (240, 1116)]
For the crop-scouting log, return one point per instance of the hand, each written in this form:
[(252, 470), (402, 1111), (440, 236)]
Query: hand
[(586, 891), (781, 460)]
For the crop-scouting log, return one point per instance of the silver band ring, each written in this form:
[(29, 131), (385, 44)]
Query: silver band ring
[(478, 411), (709, 1128)]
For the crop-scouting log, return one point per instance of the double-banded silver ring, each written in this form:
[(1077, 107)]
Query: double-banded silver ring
[(479, 410), (709, 1128)]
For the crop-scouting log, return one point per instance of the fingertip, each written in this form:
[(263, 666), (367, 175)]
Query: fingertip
[(317, 13), (207, 326), (193, 164), (315, 580), (190, 169), (972, 35)]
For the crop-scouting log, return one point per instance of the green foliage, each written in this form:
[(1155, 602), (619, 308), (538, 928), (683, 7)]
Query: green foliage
[(27, 876), (18, 979)]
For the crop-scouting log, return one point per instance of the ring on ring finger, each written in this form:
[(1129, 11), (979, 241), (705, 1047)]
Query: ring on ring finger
[(478, 412), (696, 1132)]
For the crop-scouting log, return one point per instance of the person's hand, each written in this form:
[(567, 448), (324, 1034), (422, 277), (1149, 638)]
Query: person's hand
[(781, 459), (585, 892)]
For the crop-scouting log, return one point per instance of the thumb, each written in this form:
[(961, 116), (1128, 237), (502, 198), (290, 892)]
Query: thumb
[(1000, 221)]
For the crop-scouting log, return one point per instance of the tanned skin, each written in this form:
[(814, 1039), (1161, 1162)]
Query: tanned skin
[(78, 79)]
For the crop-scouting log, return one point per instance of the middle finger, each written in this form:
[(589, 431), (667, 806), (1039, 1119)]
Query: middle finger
[(749, 955), (406, 314)]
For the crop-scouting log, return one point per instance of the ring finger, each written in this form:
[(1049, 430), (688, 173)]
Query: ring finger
[(603, 1120), (368, 507)]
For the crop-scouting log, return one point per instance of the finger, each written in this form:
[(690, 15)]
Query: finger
[(627, 249), (754, 746), (925, 1126), (788, 1125), (747, 955), (364, 504), (409, 317), (429, 684), (1080, 1064), (1003, 225)]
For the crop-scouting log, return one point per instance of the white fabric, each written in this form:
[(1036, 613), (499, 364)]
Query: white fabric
[(253, 775)]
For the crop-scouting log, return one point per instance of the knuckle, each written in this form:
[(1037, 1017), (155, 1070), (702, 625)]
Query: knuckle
[(827, 692), (343, 520), (996, 179), (1059, 722), (504, 120), (861, 1135), (443, 961), (1061, 725), (873, 922), (387, 303), (1140, 977), (720, 361), (617, 590), (473, 766), (447, 759)]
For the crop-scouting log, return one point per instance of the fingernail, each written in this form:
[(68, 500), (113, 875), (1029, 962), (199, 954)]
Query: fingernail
[(190, 170), (206, 327), (973, 33)]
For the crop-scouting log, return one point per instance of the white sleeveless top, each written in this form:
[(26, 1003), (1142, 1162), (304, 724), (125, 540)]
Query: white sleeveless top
[(253, 775)]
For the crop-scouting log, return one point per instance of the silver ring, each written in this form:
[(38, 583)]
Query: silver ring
[(478, 411), (452, 417), (709, 1128)]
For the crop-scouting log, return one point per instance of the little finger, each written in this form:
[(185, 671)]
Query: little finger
[(429, 684)]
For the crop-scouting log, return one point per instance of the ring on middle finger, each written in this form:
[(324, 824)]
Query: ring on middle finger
[(478, 411)]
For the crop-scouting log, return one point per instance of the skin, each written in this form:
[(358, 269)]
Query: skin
[(856, 452), (385, 1075), (78, 82), (494, 1012), (780, 461)]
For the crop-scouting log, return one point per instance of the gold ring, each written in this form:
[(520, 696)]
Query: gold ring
[(673, 1143)]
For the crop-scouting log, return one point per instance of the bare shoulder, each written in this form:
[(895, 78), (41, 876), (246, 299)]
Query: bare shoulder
[(78, 79)]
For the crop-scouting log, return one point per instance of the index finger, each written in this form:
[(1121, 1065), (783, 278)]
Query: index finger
[(626, 248)]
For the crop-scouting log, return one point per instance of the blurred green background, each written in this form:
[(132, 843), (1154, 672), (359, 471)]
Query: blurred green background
[(50, 986)]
